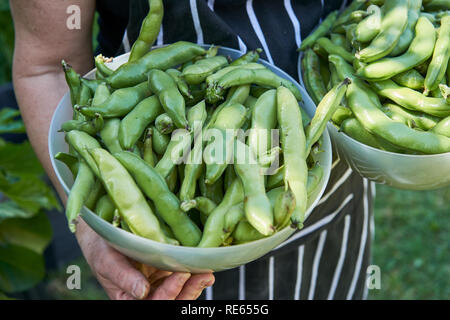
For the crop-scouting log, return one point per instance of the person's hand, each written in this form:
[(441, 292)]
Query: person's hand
[(122, 280)]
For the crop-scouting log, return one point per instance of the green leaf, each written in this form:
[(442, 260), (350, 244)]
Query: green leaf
[(9, 123), (19, 160), (34, 233), (20, 268), (30, 193), (10, 209), (4, 297)]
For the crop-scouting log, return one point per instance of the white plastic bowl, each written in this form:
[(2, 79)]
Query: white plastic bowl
[(170, 257), (403, 171)]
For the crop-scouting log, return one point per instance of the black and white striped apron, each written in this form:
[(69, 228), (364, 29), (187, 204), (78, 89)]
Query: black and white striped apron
[(328, 258)]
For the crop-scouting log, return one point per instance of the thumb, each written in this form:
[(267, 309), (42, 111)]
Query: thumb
[(120, 271)]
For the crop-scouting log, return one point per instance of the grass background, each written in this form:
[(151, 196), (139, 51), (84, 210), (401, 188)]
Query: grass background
[(412, 229)]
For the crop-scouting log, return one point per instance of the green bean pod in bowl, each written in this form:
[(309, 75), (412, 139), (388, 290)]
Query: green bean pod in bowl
[(392, 125), (225, 219)]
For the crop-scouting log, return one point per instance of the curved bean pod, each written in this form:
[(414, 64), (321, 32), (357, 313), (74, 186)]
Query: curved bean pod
[(293, 142), (419, 51), (395, 20), (438, 65)]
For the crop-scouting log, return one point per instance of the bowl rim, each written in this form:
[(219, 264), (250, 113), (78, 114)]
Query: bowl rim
[(162, 245), (400, 155)]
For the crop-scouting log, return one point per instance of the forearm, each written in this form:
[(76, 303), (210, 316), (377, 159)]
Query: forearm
[(38, 93), (41, 41)]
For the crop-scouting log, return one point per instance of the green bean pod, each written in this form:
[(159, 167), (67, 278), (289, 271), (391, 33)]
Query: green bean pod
[(445, 92), (368, 28), (413, 119), (394, 22), (341, 114), (283, 203), (73, 81), (324, 112), (212, 80), (344, 17), (194, 166), (437, 5), (120, 102), (234, 215), (135, 72), (245, 232), (102, 69), (315, 175), (407, 36), (91, 126), (167, 204), (213, 230), (97, 191), (69, 160), (176, 150), (331, 48), (181, 83), (212, 191), (149, 30), (276, 179), (110, 135), (127, 196), (164, 123), (250, 56), (443, 127), (419, 51), (293, 142), (354, 129), (170, 97), (411, 79), (101, 94), (78, 193), (199, 71), (374, 120), (241, 76), (411, 99), (219, 152), (92, 84), (438, 65), (81, 142), (202, 204), (340, 40), (105, 208), (263, 120), (258, 210), (313, 77), (134, 123), (160, 141), (321, 30)]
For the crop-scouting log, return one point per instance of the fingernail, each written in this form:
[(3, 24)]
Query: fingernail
[(206, 284), (139, 290)]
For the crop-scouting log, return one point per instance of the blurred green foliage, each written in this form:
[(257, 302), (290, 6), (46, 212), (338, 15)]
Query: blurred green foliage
[(412, 233), (6, 42)]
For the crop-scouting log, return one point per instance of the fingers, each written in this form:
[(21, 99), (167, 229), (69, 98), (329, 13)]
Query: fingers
[(171, 287), (195, 285), (113, 266)]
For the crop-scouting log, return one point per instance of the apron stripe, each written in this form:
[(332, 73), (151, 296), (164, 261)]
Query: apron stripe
[(317, 256), (257, 29), (362, 245), (343, 252), (298, 282)]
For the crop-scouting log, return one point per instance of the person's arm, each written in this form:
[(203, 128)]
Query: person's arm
[(42, 40)]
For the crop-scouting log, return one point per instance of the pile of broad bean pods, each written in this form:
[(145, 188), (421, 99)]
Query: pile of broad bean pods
[(179, 144), (396, 55)]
